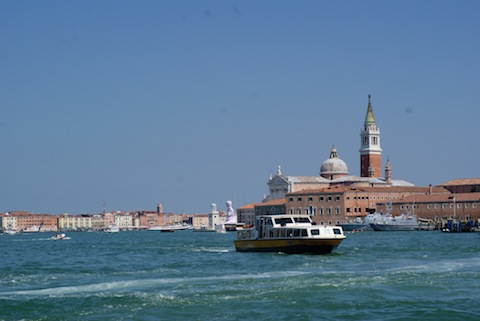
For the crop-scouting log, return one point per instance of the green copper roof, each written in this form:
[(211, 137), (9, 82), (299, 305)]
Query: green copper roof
[(369, 119)]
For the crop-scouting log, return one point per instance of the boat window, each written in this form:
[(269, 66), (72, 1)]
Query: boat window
[(296, 233), (304, 232), (315, 232), (337, 231), (289, 233)]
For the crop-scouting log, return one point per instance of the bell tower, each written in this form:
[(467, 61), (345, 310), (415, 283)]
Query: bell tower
[(370, 151)]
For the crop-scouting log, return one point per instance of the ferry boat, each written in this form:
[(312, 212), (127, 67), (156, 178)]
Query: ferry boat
[(291, 234)]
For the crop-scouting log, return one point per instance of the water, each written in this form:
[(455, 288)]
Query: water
[(199, 276)]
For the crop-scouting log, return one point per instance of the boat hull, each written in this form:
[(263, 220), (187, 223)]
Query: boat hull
[(289, 246), (353, 226), (394, 227)]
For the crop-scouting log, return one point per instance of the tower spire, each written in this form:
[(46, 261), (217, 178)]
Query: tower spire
[(369, 118)]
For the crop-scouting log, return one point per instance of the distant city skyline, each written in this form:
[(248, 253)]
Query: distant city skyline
[(189, 103)]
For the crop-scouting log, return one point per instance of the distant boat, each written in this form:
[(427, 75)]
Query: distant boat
[(387, 222), (291, 234), (203, 228), (170, 228), (112, 229), (33, 229), (10, 232)]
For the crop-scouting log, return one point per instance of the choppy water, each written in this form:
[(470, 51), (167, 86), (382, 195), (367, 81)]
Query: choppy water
[(199, 276)]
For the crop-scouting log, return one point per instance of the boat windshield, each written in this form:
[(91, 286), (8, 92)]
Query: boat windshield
[(283, 221), (302, 220)]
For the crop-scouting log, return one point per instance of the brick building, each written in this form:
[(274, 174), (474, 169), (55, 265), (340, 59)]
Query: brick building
[(338, 204)]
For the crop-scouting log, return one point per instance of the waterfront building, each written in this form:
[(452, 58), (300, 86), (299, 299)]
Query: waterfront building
[(97, 222), (108, 219), (440, 206), (74, 222), (25, 221), (147, 219), (8, 222), (173, 219), (338, 204), (465, 185), (124, 220), (200, 221), (246, 214), (271, 207)]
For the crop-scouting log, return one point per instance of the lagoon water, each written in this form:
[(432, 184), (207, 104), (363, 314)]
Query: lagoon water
[(188, 275)]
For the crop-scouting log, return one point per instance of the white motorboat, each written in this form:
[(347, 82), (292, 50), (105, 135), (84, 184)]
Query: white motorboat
[(60, 236), (170, 228), (112, 229)]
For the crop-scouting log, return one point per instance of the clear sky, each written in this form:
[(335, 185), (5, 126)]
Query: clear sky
[(130, 103)]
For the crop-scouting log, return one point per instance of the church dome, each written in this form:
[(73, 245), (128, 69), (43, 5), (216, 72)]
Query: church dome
[(333, 167)]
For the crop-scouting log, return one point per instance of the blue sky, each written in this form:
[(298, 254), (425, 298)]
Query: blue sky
[(130, 103)]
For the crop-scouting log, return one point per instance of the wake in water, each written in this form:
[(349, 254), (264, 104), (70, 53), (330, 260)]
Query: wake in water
[(143, 285)]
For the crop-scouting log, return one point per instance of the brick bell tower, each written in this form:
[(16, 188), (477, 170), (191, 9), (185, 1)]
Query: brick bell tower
[(370, 151)]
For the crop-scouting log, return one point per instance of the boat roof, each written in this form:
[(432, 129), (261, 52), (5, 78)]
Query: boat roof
[(284, 215)]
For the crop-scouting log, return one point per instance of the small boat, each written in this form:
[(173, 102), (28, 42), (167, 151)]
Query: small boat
[(60, 236), (292, 234), (112, 229)]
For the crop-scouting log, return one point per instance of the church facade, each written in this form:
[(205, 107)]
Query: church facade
[(334, 171)]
